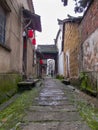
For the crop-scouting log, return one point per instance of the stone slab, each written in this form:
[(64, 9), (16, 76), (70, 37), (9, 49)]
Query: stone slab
[(65, 108), (56, 126), (51, 116)]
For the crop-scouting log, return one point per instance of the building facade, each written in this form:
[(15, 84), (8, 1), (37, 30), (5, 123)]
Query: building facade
[(71, 47), (16, 49), (81, 48), (89, 45), (89, 38)]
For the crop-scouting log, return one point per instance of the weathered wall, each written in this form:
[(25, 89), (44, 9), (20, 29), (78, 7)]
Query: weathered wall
[(90, 21), (8, 85), (29, 58), (71, 47), (90, 52), (81, 48), (89, 48), (11, 61), (11, 53), (89, 40), (4, 60), (17, 43)]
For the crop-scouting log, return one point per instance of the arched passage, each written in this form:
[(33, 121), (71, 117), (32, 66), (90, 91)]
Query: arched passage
[(45, 52)]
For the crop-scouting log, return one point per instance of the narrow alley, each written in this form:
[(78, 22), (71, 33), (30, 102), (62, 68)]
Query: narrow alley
[(54, 109), (49, 65)]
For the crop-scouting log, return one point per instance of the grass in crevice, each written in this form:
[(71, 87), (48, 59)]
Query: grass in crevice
[(89, 113), (12, 116), (87, 110)]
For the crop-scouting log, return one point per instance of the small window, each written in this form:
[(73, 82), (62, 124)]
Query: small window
[(2, 25)]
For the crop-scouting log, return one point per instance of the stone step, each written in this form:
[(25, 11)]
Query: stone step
[(66, 81), (27, 85)]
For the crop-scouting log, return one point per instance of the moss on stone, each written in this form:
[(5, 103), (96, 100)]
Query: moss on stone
[(89, 114), (86, 84), (8, 85), (12, 116)]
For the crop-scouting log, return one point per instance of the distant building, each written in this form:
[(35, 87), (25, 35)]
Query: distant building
[(50, 67), (45, 52), (70, 47)]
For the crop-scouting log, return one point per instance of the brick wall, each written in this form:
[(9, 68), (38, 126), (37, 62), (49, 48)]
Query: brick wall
[(89, 40), (90, 21), (89, 45), (71, 47)]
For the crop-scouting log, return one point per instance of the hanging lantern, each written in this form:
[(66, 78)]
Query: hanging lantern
[(41, 61), (30, 33), (33, 41)]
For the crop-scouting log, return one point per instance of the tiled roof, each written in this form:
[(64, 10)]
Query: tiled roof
[(47, 48), (70, 19)]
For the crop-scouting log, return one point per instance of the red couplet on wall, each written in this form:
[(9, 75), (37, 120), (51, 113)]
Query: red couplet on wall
[(30, 33)]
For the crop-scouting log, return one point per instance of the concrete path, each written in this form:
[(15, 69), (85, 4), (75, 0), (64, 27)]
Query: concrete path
[(54, 109)]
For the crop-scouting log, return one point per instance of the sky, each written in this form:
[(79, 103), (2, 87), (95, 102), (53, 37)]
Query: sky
[(50, 11)]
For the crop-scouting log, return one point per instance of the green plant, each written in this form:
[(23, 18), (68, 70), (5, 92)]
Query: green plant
[(60, 77), (83, 80), (86, 84), (12, 116), (89, 113)]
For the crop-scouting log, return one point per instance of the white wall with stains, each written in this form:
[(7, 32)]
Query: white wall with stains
[(90, 52)]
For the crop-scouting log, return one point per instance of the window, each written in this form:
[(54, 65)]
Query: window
[(2, 25)]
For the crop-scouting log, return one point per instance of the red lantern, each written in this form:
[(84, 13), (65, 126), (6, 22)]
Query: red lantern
[(34, 41), (30, 33), (41, 61)]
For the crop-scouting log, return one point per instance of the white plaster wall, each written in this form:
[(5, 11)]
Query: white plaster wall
[(90, 52), (61, 64), (60, 54)]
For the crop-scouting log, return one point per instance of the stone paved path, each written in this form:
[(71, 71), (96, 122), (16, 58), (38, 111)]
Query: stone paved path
[(53, 109)]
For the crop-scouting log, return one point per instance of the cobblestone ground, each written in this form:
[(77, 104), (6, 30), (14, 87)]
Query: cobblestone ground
[(54, 109)]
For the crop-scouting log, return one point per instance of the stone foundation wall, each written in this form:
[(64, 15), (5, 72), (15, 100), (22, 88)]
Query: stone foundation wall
[(8, 85)]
